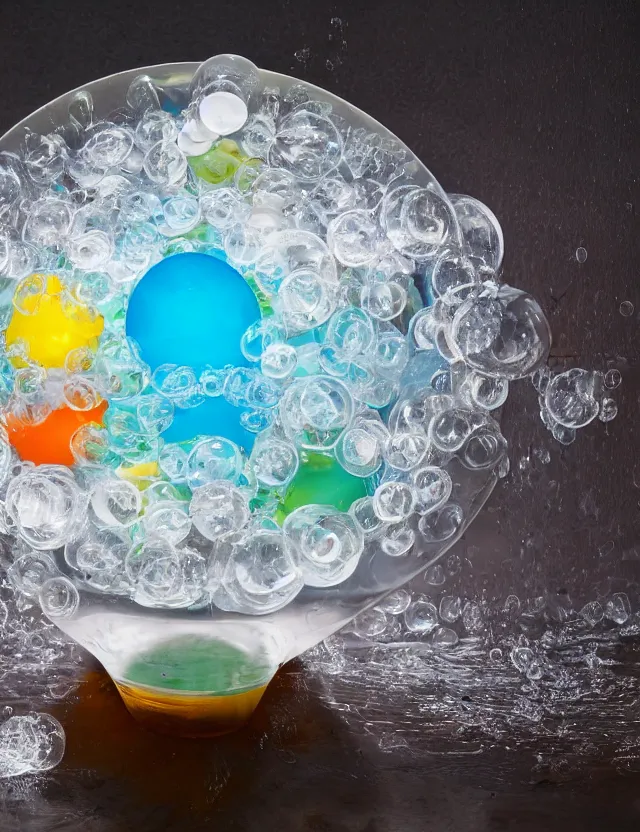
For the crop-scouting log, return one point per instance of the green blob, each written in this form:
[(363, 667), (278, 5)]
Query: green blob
[(218, 164), (322, 480), (190, 663)]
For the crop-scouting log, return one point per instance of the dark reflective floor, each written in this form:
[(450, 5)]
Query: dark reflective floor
[(535, 111)]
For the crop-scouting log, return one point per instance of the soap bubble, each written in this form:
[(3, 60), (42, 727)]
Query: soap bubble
[(43, 158), (421, 616), (395, 602), (46, 506), (212, 382), (504, 336), (432, 487), (48, 222), (382, 299), (31, 743), (279, 361), (442, 524), (59, 598), (324, 542), (90, 446), (116, 502), (350, 331), (99, 557), (164, 576), (165, 164), (259, 336), (218, 509), (482, 237), (154, 413), (315, 411), (364, 514), (31, 571), (305, 300), (107, 146), (140, 206), (178, 384), (405, 451), (274, 461), (393, 501), (485, 392), (154, 127), (223, 208), (417, 221), (79, 394), (571, 399), (181, 214), (484, 447), (449, 429), (450, 608), (359, 450), (258, 136), (226, 72), (287, 251), (444, 638), (261, 576), (612, 379), (452, 271), (306, 145), (353, 238), (370, 623), (608, 409), (423, 330), (213, 459), (397, 539)]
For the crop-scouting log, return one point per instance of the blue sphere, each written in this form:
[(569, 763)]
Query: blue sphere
[(191, 310)]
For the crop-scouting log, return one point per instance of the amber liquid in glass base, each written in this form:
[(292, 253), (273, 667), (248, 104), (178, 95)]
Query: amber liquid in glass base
[(194, 687), (187, 715)]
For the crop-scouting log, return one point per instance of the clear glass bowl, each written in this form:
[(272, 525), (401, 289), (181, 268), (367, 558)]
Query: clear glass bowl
[(202, 673)]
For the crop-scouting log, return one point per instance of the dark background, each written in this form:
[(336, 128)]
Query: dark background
[(532, 108)]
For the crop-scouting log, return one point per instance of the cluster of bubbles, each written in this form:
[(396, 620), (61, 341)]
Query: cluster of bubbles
[(387, 339), (572, 399), (443, 620), (476, 673), (30, 744)]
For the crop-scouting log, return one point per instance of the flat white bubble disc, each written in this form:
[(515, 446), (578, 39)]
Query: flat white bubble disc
[(223, 112), (196, 131), (190, 147)]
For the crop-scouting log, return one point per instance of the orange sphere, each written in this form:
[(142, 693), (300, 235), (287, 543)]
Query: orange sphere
[(49, 442)]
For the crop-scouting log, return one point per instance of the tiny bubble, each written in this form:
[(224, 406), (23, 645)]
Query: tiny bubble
[(543, 455), (608, 410), (581, 254), (612, 379), (626, 308), (606, 548), (302, 55)]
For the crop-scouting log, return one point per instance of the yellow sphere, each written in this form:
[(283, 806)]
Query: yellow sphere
[(51, 324)]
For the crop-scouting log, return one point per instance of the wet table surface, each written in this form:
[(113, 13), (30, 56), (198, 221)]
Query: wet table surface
[(534, 111)]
